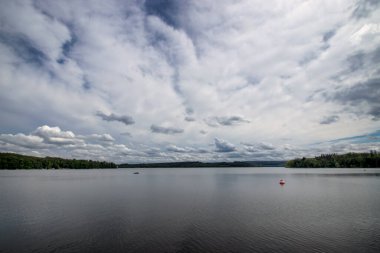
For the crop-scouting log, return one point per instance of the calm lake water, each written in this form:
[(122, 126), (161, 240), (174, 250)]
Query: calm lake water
[(190, 210)]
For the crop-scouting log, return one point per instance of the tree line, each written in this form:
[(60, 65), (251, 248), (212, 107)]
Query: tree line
[(10, 161), (349, 160), (197, 164)]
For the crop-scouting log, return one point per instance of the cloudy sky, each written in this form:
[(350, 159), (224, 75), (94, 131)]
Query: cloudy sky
[(172, 80)]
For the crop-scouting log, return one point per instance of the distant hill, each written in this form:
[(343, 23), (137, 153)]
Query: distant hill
[(349, 160), (205, 164), (10, 161)]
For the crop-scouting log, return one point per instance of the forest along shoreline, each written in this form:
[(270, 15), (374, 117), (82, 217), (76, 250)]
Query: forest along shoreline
[(11, 161), (349, 160)]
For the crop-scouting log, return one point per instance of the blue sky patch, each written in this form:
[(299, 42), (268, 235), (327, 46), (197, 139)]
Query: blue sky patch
[(24, 48), (167, 10)]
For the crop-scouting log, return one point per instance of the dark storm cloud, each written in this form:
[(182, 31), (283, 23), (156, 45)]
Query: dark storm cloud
[(375, 56), (229, 121), (364, 8), (329, 120), (165, 130), (189, 118), (356, 61), (361, 98), (308, 57), (368, 91), (225, 121), (363, 94), (127, 120), (363, 60), (223, 146), (86, 85), (189, 110), (328, 35)]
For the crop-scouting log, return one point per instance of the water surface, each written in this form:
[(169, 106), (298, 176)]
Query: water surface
[(190, 210)]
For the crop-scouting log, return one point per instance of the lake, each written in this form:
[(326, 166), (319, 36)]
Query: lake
[(190, 210)]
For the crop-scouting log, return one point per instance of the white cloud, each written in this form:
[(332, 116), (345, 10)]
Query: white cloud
[(281, 64), (46, 33), (104, 138), (52, 141), (224, 146), (174, 148), (55, 135), (22, 140)]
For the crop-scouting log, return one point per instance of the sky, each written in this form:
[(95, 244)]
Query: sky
[(174, 80)]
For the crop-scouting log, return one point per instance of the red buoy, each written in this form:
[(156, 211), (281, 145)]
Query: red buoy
[(282, 182)]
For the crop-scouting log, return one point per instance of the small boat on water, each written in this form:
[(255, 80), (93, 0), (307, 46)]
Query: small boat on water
[(136, 172), (282, 182)]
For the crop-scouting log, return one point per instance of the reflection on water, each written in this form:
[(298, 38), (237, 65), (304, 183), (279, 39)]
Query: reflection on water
[(190, 210)]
